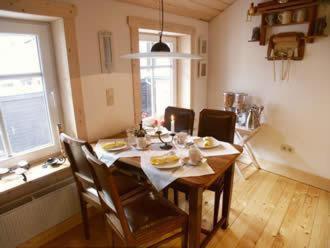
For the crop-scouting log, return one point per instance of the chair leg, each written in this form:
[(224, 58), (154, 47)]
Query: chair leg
[(216, 207), (165, 193), (176, 197), (184, 240), (84, 216), (110, 234)]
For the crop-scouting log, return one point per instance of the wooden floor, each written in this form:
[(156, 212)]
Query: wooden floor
[(267, 211)]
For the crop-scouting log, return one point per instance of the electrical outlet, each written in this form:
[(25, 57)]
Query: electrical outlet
[(287, 148), (109, 94)]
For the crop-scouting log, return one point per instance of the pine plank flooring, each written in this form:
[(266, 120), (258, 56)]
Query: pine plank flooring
[(267, 211)]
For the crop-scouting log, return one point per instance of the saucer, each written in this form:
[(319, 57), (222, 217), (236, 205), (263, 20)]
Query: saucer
[(187, 161)]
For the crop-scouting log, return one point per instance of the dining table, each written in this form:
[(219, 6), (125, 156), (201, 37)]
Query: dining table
[(223, 166)]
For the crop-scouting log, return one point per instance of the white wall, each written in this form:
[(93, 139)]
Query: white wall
[(111, 15), (296, 111)]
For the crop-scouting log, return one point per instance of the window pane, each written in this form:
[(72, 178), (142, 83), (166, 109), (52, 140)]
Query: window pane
[(2, 149), (24, 108), (19, 54), (146, 93), (164, 73), (163, 95), (143, 49), (22, 86), (143, 46), (162, 61), (156, 83), (146, 73)]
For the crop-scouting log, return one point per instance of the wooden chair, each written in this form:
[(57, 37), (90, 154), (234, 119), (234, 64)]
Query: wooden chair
[(184, 119), (82, 175), (220, 125), (146, 219)]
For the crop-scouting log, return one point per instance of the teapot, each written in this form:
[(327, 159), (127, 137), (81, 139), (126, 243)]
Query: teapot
[(253, 119)]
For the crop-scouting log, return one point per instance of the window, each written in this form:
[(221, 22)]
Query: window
[(158, 78), (27, 117)]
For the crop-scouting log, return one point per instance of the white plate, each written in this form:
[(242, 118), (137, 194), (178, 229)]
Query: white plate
[(152, 132), (142, 149), (116, 148), (169, 165), (200, 143), (187, 161), (3, 171)]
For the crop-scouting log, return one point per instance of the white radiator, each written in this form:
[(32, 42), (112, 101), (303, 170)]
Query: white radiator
[(42, 211)]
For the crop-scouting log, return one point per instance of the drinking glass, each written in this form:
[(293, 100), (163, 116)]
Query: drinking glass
[(131, 140)]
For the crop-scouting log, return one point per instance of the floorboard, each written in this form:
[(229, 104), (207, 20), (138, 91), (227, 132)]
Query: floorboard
[(267, 211)]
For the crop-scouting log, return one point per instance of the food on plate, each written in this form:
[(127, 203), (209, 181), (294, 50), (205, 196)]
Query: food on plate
[(165, 159), (208, 142), (114, 145)]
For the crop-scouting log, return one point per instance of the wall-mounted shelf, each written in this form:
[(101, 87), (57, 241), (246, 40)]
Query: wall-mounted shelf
[(283, 58), (293, 41), (316, 36), (273, 7), (289, 24)]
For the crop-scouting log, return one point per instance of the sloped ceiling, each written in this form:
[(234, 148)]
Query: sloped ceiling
[(204, 10)]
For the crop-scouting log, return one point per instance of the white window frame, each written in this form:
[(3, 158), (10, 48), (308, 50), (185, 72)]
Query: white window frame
[(170, 39), (48, 74)]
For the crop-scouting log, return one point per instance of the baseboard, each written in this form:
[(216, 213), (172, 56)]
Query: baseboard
[(295, 174), (56, 231)]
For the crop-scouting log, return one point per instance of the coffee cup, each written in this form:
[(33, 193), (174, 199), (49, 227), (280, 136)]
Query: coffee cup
[(181, 138), (195, 156), (299, 15), (285, 17), (271, 19)]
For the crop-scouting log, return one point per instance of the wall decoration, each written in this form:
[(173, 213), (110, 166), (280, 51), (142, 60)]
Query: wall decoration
[(202, 69), (320, 25), (286, 47), (202, 46), (255, 34), (105, 51), (252, 11)]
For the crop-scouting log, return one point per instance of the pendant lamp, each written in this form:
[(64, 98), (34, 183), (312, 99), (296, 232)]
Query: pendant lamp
[(161, 49)]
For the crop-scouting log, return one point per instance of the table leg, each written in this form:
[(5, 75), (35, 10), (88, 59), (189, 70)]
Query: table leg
[(227, 194), (195, 217)]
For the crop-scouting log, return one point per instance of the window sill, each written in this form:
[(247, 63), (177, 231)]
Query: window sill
[(13, 187)]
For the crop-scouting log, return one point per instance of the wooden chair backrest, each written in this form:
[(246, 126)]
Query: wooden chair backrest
[(108, 191), (78, 162), (184, 119), (218, 124)]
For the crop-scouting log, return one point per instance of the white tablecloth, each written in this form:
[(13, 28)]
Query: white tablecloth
[(110, 157), (161, 178)]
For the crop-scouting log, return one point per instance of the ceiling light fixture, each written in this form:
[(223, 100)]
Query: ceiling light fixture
[(161, 49)]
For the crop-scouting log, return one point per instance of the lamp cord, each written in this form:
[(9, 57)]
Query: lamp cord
[(161, 19)]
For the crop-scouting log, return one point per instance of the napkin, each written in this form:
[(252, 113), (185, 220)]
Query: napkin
[(160, 178)]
